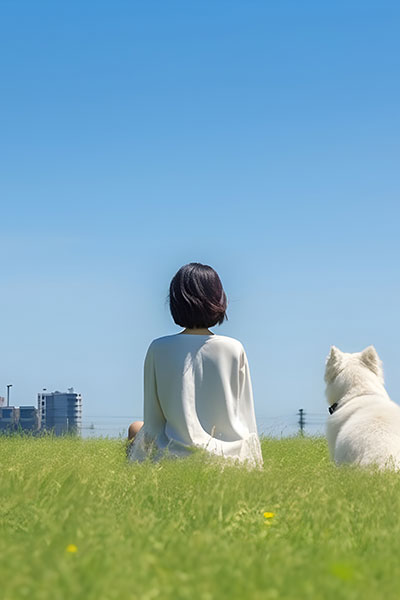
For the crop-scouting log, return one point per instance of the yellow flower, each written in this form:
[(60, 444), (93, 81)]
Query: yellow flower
[(269, 515), (71, 548)]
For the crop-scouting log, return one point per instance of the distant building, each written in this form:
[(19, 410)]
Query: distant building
[(9, 416), (60, 412), (28, 418), (2, 401), (13, 418)]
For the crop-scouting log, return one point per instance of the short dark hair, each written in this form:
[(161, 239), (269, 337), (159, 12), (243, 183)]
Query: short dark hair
[(196, 297)]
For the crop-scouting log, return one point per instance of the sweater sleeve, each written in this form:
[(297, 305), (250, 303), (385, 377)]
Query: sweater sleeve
[(246, 403), (154, 420)]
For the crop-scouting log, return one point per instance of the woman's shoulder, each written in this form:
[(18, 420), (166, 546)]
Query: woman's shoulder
[(177, 338), (229, 341)]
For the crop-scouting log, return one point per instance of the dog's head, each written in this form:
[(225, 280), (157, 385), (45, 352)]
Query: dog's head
[(344, 371)]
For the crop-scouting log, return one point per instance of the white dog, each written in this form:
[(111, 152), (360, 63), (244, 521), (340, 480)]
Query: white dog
[(364, 423)]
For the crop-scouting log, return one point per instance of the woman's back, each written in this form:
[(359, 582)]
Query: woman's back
[(197, 392)]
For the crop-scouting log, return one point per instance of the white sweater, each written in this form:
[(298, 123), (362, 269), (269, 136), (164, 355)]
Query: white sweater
[(197, 393)]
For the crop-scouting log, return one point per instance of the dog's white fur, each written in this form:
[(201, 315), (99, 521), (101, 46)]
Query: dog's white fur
[(365, 427)]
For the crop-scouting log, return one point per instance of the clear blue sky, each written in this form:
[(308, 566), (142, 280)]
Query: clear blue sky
[(261, 138)]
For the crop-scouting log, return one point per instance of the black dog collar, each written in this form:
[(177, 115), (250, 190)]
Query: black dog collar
[(332, 408)]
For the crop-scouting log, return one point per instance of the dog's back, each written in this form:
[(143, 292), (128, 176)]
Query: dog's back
[(364, 427)]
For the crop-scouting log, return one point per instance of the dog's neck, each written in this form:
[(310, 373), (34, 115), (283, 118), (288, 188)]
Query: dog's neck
[(347, 386), (351, 394)]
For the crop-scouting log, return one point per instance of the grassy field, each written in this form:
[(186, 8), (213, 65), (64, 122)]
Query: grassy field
[(78, 522)]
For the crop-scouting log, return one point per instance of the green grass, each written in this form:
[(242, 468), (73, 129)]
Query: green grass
[(189, 530)]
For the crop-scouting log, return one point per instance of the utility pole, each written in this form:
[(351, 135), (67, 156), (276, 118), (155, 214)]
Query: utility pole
[(8, 393), (302, 420)]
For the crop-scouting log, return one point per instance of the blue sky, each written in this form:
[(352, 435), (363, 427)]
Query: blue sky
[(261, 138)]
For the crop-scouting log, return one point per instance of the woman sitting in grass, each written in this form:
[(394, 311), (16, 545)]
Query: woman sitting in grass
[(197, 387)]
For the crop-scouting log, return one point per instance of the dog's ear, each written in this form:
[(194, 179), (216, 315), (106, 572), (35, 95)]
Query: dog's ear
[(370, 359), (333, 364)]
